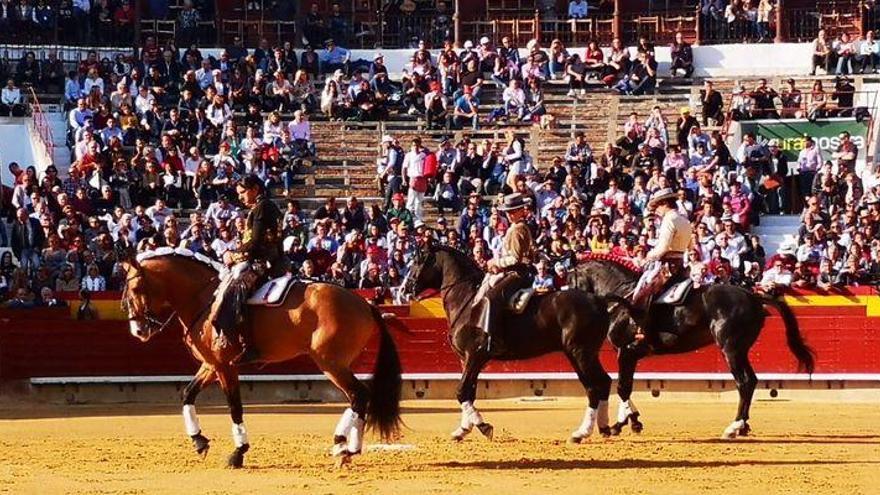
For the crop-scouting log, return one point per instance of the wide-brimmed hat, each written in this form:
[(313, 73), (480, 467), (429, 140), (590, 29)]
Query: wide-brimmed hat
[(515, 201), (788, 247), (662, 195)]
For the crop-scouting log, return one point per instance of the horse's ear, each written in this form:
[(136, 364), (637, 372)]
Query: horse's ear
[(427, 247)]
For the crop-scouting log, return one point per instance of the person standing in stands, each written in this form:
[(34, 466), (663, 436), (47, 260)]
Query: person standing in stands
[(414, 177), (683, 127), (821, 54), (682, 56), (713, 105)]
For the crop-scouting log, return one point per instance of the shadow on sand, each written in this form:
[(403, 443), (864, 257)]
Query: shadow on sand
[(565, 464)]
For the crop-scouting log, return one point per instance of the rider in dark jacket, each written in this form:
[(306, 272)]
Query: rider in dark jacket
[(258, 255)]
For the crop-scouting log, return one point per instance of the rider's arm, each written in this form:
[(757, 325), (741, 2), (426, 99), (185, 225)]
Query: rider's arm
[(519, 246), (246, 249), (664, 238)]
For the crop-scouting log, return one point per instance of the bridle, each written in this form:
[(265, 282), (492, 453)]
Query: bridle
[(147, 316), (409, 285), (150, 318)]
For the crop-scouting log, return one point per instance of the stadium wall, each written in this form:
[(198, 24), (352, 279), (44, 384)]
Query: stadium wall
[(47, 350), (751, 60)]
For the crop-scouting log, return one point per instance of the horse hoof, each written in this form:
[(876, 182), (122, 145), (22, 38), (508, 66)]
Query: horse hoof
[(745, 430), (236, 458), (201, 444), (576, 439), (339, 449), (616, 428), (487, 430), (343, 460), (636, 426), (605, 431), (459, 434)]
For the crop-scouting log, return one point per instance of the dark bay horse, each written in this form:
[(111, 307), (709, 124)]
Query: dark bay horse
[(729, 316), (330, 324), (571, 321)]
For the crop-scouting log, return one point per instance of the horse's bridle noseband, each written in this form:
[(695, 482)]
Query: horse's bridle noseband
[(147, 316)]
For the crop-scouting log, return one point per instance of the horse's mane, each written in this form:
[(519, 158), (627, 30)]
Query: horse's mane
[(460, 256), (619, 261), (167, 251)]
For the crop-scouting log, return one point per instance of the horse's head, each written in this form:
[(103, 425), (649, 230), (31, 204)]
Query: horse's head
[(423, 272), (140, 301)]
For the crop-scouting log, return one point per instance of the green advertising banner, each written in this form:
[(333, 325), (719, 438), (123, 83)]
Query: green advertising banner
[(791, 132)]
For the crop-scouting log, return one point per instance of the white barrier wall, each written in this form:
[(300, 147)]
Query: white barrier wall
[(764, 59)]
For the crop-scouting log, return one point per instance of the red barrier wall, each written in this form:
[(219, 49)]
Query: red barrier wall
[(49, 344)]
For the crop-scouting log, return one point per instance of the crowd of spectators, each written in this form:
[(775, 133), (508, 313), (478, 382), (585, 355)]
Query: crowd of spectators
[(175, 130)]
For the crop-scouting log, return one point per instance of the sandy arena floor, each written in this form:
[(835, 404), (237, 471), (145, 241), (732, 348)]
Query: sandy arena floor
[(797, 448)]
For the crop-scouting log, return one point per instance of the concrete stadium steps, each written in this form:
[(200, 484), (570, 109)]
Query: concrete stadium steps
[(775, 229), (61, 155)]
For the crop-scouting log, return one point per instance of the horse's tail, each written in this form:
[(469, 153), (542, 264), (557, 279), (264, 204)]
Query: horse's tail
[(383, 410), (805, 355)]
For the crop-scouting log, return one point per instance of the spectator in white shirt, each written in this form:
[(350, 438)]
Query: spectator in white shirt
[(414, 177), (869, 53), (777, 277), (93, 281), (218, 112), (10, 101)]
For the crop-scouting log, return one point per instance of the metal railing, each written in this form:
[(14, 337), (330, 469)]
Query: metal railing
[(41, 125)]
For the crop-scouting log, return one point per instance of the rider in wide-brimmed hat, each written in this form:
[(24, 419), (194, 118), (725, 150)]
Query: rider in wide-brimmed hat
[(666, 259), (511, 271)]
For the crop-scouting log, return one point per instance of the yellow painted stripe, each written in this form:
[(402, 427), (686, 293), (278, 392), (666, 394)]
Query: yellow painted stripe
[(870, 302), (433, 307), (427, 308)]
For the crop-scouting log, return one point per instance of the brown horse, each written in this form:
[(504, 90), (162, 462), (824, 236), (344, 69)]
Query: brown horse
[(325, 321)]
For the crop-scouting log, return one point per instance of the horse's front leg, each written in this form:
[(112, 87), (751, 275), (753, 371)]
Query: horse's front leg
[(467, 394), (204, 377), (231, 387), (627, 413)]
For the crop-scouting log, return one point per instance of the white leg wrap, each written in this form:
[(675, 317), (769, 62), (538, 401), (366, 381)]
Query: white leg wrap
[(239, 435), (190, 420), (602, 414), (624, 409), (733, 430), (470, 416), (356, 436), (345, 423), (587, 425)]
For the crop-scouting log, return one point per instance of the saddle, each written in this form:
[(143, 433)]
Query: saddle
[(274, 292), (675, 294), (519, 301)]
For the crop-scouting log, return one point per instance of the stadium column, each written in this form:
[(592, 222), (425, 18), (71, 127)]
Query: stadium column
[(456, 21), (780, 22), (615, 24)]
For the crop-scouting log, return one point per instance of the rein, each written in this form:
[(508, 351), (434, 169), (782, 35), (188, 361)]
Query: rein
[(443, 289), (149, 317)]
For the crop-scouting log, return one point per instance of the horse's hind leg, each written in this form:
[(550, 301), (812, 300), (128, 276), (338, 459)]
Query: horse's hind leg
[(204, 376), (349, 434), (746, 381), (597, 384), (229, 382), (627, 413), (467, 394)]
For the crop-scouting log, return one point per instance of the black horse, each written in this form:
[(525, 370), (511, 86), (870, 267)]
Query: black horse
[(727, 315), (570, 321)]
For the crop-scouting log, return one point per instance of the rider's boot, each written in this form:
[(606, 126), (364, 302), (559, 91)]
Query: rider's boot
[(641, 302), (487, 323)]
